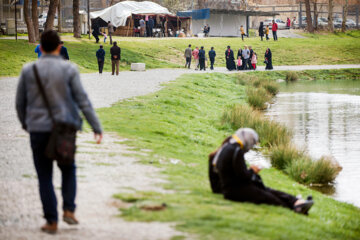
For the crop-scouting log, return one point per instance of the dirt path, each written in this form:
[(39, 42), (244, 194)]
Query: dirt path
[(102, 170)]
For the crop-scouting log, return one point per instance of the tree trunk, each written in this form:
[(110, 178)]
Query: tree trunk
[(76, 23), (35, 18), (29, 23), (316, 15), (59, 16), (330, 16), (346, 7), (49, 24), (310, 27)]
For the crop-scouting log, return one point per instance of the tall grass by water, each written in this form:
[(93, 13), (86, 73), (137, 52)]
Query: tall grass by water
[(277, 138)]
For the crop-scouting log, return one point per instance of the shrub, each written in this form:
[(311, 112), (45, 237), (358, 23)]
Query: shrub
[(257, 98), (306, 170), (271, 87), (291, 77), (281, 156), (270, 132), (244, 79)]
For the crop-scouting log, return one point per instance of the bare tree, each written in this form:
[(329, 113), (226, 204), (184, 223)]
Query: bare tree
[(29, 23), (49, 24), (310, 27), (35, 18), (76, 15), (330, 16), (346, 7), (316, 15)]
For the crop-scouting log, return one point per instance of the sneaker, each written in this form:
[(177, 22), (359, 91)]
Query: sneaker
[(50, 228), (69, 218)]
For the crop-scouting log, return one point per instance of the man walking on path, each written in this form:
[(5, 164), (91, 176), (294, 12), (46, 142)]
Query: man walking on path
[(195, 54), (100, 55), (187, 54), (115, 52), (212, 55), (274, 30), (111, 31), (202, 56), (66, 95)]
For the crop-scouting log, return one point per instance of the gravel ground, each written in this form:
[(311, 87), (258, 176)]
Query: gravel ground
[(102, 169)]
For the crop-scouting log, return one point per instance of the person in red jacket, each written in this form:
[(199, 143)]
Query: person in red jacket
[(274, 30)]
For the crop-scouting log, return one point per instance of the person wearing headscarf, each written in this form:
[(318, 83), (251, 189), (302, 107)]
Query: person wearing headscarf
[(261, 30), (229, 56), (230, 176), (268, 59)]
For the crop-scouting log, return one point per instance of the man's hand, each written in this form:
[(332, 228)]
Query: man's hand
[(98, 137), (255, 168)]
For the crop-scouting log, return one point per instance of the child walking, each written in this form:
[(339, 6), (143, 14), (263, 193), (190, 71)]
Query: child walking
[(242, 32), (239, 63), (254, 60), (105, 37)]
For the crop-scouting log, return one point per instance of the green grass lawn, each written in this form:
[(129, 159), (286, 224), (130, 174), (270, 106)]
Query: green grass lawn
[(182, 122), (168, 53)]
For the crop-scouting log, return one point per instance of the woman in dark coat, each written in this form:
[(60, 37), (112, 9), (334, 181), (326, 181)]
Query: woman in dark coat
[(230, 176), (261, 30), (268, 59), (229, 56)]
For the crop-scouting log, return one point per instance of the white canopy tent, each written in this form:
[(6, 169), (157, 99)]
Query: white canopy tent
[(119, 13)]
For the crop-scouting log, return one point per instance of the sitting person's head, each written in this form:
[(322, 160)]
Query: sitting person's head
[(247, 136), (115, 43), (50, 42)]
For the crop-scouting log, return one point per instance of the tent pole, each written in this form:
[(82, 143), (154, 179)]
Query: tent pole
[(127, 32)]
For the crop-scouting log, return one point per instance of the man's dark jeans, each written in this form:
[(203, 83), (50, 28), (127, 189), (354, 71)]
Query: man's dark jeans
[(188, 62), (212, 61), (275, 35), (101, 65), (44, 169)]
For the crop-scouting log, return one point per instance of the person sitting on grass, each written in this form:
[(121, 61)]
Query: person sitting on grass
[(230, 176)]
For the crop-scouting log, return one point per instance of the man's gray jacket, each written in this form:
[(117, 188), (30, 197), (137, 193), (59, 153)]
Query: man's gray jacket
[(66, 95), (188, 53)]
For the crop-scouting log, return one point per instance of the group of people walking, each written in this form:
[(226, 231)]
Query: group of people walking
[(200, 58), (265, 31), (115, 52), (246, 59)]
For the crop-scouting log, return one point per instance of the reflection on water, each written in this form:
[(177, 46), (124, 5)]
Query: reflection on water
[(326, 123)]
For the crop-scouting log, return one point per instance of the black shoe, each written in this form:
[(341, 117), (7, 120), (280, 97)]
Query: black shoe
[(304, 207)]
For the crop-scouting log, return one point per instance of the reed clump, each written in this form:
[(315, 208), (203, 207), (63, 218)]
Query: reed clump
[(307, 170), (271, 87), (291, 77), (270, 132), (257, 98)]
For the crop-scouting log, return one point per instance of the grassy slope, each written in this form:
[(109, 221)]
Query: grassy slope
[(159, 53), (182, 121)]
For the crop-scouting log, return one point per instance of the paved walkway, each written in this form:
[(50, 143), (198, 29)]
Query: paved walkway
[(102, 170)]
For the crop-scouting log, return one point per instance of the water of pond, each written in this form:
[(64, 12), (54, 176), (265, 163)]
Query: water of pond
[(325, 119)]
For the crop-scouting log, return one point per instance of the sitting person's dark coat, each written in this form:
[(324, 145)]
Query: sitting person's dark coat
[(230, 176)]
